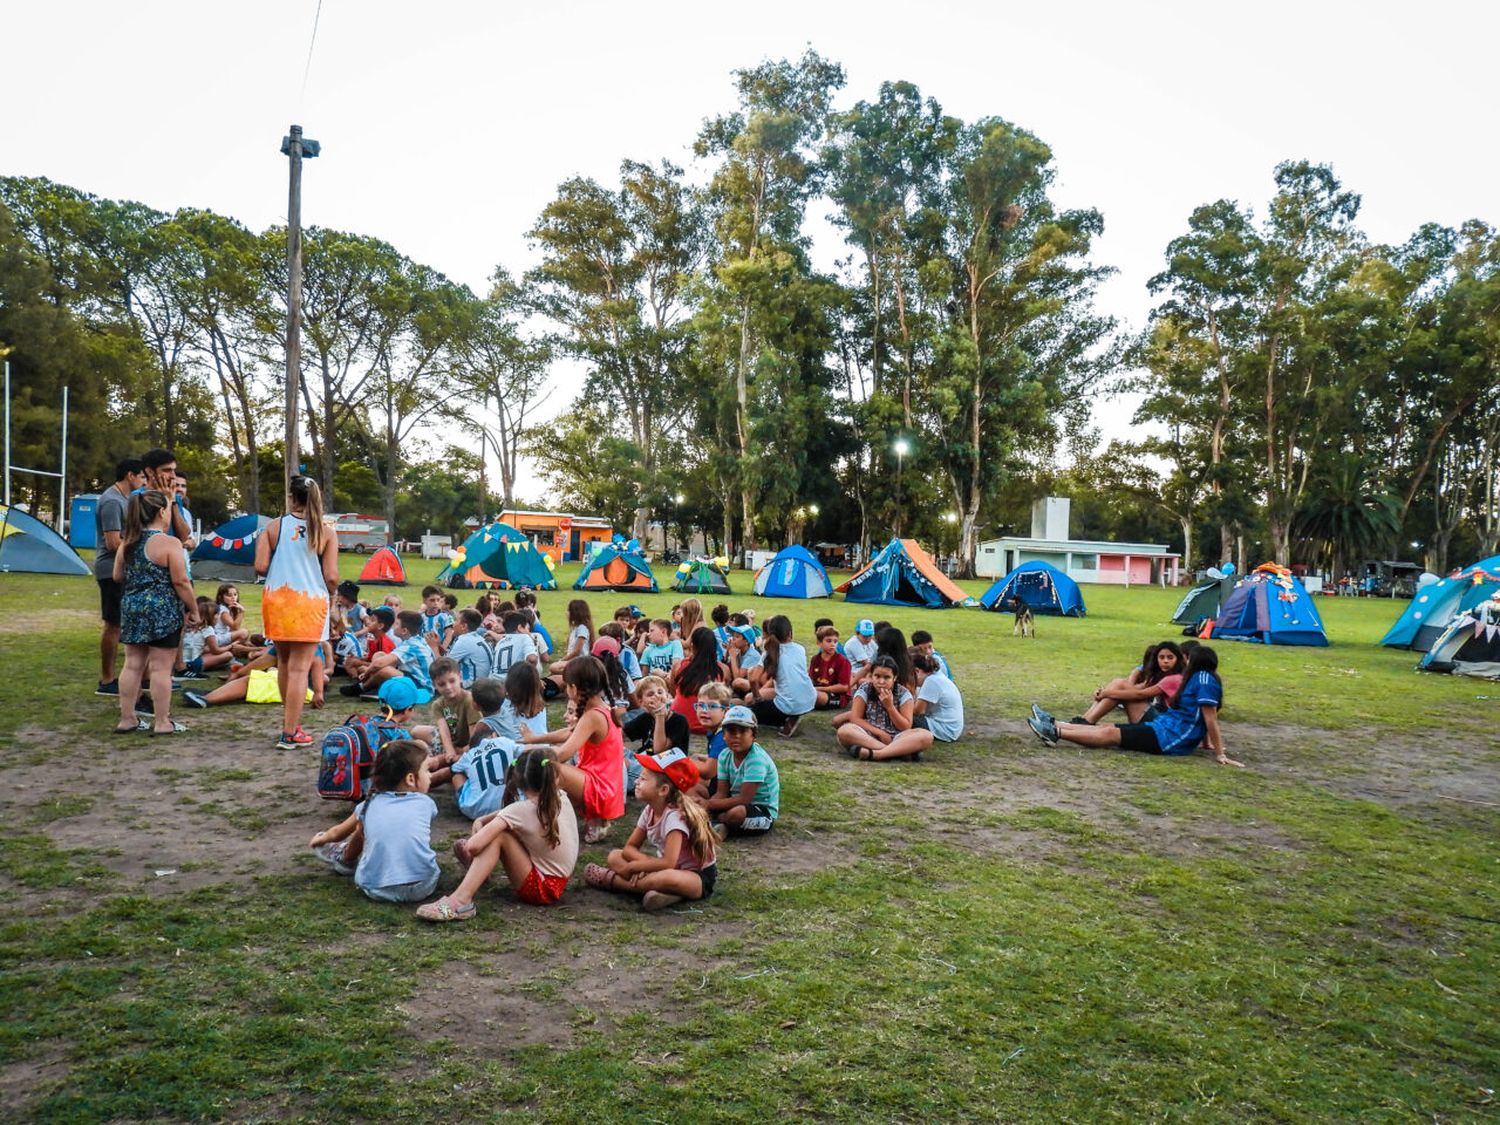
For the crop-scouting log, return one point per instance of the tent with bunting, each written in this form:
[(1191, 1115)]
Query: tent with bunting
[(383, 568), (615, 566), (703, 576), (1438, 603), (1269, 605), (904, 574), (1040, 586), (1470, 645), (793, 573), (498, 556), (28, 546), (227, 554)]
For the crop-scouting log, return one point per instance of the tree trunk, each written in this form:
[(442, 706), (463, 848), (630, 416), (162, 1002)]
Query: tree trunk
[(1186, 523), (330, 430), (968, 538)]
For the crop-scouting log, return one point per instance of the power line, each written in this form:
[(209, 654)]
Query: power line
[(313, 42)]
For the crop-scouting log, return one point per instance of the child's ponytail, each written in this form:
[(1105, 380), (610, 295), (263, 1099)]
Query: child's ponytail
[(701, 838), (533, 772)]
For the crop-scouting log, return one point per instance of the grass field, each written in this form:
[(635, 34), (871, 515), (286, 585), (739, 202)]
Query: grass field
[(1004, 931)]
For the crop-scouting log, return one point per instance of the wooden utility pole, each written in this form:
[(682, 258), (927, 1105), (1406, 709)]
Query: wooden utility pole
[(292, 449)]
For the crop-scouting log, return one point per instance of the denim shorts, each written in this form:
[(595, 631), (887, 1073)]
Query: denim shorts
[(404, 892)]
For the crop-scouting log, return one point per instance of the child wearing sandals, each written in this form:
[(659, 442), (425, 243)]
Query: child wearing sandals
[(534, 836), (676, 827), (386, 843), (596, 784), (881, 711)]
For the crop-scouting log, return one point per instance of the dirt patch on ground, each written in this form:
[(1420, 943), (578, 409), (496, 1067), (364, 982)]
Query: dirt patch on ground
[(219, 806)]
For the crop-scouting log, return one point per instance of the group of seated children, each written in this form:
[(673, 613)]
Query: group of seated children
[(484, 640), (1171, 702), (535, 794)]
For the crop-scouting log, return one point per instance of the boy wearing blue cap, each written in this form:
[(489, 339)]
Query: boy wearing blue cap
[(747, 791), (860, 649), (744, 660)]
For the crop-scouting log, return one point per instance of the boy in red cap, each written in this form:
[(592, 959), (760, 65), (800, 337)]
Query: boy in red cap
[(676, 827)]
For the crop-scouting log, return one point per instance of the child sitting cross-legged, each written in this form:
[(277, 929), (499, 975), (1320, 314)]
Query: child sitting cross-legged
[(412, 657), (677, 827), (380, 622), (747, 791), (534, 836), (386, 843), (478, 777), (453, 712), (881, 710), (746, 666), (830, 671), (196, 659)]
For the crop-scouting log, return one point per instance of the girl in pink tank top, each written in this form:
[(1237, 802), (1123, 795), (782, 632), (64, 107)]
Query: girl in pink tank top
[(596, 784)]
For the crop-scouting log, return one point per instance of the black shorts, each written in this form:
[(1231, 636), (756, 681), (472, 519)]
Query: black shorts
[(1140, 737), (768, 714), (109, 600), (758, 821), (710, 876), (169, 640), (919, 722), (835, 703)]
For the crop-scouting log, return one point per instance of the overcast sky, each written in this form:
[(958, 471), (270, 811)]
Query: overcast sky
[(447, 126)]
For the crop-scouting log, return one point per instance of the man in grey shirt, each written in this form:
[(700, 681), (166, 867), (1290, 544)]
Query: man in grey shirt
[(109, 520)]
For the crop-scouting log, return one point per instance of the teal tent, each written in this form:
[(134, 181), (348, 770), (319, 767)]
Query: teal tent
[(497, 555)]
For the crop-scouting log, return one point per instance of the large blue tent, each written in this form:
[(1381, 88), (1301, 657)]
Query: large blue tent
[(1271, 606), (1041, 586), (904, 574), (28, 546), (793, 573), (227, 554), (1438, 603)]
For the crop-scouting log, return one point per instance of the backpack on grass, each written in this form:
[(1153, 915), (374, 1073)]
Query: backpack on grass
[(346, 757)]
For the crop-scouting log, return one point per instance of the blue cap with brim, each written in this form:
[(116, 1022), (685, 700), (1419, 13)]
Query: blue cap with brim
[(402, 693)]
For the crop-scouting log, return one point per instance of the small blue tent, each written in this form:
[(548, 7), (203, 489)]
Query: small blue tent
[(227, 554), (793, 573), (1435, 605), (28, 546), (904, 574), (1270, 606), (1041, 586)]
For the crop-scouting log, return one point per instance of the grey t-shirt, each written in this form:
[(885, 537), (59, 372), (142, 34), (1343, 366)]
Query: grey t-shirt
[(109, 515)]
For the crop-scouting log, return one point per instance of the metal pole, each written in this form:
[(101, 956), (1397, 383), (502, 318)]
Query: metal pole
[(62, 484), (292, 451), (7, 433)]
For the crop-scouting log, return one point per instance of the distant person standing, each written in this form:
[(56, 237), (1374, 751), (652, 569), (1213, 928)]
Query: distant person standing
[(299, 557), (156, 600), (109, 522)]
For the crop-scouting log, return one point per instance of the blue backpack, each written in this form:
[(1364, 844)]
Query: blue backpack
[(347, 756)]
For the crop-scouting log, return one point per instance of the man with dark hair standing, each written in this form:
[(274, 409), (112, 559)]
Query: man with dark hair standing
[(109, 520), (161, 474)]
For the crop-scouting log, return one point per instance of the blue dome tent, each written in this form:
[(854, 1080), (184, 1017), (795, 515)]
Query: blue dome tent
[(227, 554), (793, 573), (28, 546), (1270, 606), (904, 574), (1041, 586), (1437, 604)]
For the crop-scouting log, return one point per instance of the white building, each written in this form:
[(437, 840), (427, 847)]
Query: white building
[(1083, 560)]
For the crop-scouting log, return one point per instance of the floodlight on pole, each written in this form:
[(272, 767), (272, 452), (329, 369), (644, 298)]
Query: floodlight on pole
[(902, 448)]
